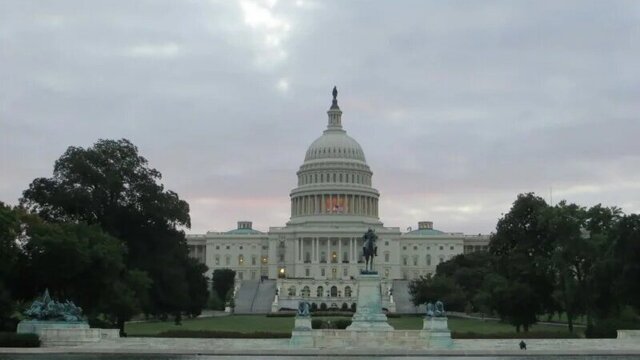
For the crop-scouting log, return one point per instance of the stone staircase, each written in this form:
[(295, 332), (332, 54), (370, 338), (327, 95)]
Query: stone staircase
[(264, 297), (402, 298), (255, 297), (245, 295)]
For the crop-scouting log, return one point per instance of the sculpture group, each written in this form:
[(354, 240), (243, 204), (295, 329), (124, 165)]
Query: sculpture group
[(48, 309), (437, 310)]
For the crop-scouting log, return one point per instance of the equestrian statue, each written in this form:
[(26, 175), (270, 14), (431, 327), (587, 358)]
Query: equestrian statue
[(369, 249)]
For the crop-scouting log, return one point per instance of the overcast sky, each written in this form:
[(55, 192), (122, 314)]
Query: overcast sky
[(458, 105)]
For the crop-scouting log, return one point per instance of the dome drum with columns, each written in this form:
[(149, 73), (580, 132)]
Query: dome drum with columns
[(320, 247)]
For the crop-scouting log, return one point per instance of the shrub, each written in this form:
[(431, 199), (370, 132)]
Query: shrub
[(342, 323), (353, 307), (323, 307), (215, 302), (222, 334), (8, 324), (333, 313), (283, 314), (10, 339), (330, 324), (608, 328), (314, 307), (317, 323), (344, 307)]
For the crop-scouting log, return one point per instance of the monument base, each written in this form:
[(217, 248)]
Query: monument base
[(302, 336), (369, 315), (63, 333), (436, 329)]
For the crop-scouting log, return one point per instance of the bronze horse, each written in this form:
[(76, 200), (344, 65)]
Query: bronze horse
[(369, 249)]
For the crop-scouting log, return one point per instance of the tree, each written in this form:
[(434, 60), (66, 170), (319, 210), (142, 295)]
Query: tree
[(467, 271), (110, 185), (198, 293), (9, 258), (625, 237), (93, 273), (522, 252), (437, 288), (223, 281)]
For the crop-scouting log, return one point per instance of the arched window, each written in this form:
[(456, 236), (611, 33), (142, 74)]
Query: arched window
[(306, 292), (334, 291), (320, 291), (347, 291), (292, 291)]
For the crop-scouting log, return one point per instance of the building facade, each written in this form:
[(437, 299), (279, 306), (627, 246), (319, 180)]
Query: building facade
[(317, 254)]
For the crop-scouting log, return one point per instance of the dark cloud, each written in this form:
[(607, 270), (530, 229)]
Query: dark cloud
[(458, 105)]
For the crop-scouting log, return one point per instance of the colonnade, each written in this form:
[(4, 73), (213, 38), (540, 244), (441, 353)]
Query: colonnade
[(349, 204), (317, 250)]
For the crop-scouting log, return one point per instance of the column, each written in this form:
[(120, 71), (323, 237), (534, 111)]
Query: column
[(328, 250), (351, 250), (340, 251), (322, 205), (314, 246)]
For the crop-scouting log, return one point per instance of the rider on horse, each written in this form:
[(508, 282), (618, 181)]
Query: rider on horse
[(369, 249)]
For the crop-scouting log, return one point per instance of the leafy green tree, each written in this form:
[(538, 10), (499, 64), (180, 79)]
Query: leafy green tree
[(111, 185), (522, 252), (222, 282), (625, 237), (432, 289), (468, 272), (82, 263), (9, 258)]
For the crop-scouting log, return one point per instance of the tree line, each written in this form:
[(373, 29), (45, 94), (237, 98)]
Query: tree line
[(545, 259), (103, 232)]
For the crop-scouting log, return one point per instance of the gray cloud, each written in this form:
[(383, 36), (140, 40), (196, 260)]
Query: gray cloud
[(458, 105)]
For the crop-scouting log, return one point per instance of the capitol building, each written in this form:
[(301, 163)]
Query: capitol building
[(318, 253)]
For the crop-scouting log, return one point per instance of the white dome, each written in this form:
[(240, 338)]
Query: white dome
[(335, 144)]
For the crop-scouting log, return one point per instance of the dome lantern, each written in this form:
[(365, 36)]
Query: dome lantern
[(335, 114)]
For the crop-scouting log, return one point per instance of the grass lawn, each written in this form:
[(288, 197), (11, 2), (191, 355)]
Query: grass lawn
[(260, 323)]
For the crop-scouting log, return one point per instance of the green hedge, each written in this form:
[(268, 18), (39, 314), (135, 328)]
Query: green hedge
[(282, 314), (10, 339), (221, 334), (330, 324), (515, 335)]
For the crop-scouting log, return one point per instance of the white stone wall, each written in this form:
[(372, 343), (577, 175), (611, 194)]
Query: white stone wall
[(325, 253)]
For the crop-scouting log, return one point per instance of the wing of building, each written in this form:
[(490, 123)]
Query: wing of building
[(317, 254)]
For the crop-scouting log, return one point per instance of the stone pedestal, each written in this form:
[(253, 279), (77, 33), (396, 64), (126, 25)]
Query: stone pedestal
[(302, 336), (62, 333), (369, 315), (436, 330), (302, 323)]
